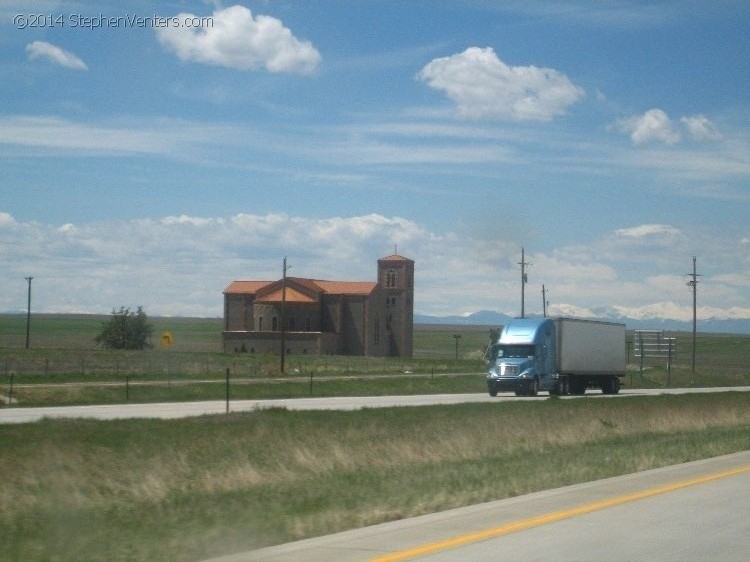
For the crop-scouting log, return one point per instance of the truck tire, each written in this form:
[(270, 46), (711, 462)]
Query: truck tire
[(560, 388), (564, 387), (611, 385), (493, 392), (578, 388), (534, 390)]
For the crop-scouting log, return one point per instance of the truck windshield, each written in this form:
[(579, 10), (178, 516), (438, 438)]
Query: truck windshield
[(515, 351)]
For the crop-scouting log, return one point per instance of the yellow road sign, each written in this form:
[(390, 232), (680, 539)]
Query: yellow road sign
[(167, 339)]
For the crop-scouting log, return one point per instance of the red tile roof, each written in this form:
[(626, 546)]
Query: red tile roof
[(308, 284), (245, 287), (292, 295), (346, 287), (361, 288)]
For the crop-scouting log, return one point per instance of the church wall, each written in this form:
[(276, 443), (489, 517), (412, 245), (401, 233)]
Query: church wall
[(378, 324)]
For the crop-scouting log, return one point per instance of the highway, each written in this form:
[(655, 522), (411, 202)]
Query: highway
[(691, 512), (174, 410)]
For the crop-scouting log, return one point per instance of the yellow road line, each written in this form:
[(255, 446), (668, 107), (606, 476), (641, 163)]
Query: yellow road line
[(552, 517)]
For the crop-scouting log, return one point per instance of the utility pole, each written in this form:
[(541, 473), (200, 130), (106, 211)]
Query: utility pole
[(283, 316), (544, 301), (28, 313), (457, 337), (524, 280), (693, 284)]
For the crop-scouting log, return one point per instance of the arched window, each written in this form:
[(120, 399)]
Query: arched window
[(260, 323), (275, 324)]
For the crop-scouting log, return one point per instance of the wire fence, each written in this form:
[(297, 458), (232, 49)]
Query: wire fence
[(75, 365), (107, 378)]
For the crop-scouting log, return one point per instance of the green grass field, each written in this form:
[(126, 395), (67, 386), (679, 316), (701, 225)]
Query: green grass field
[(197, 488), (63, 351)]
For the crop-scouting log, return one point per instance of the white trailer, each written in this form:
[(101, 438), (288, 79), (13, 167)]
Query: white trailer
[(590, 353)]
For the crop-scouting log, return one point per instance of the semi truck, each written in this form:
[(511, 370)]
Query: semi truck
[(558, 355)]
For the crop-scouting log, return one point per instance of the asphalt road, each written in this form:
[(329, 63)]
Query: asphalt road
[(691, 512), (173, 410)]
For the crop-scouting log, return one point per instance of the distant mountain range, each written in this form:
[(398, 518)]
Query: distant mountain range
[(491, 318), (481, 318)]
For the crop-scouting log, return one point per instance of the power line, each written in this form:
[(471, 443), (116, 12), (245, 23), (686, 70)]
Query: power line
[(693, 284), (524, 280), (283, 316), (28, 313)]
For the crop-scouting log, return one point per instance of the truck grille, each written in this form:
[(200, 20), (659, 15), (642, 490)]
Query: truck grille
[(508, 370)]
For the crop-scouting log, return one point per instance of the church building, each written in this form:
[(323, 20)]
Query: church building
[(324, 317)]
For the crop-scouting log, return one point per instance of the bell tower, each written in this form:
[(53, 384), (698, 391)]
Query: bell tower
[(396, 277)]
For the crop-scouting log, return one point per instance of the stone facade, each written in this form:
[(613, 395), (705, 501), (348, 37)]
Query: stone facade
[(372, 318)]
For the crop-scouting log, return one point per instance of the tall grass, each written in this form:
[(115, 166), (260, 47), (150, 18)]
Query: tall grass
[(191, 489)]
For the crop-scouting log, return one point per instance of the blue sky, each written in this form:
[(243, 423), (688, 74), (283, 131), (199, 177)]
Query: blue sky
[(149, 163)]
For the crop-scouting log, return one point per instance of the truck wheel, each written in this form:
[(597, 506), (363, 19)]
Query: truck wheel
[(611, 385), (534, 390), (493, 392), (615, 386), (560, 388)]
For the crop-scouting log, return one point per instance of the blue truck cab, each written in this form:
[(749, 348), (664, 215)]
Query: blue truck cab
[(523, 360)]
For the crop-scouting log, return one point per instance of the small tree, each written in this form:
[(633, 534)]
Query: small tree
[(494, 334), (126, 330)]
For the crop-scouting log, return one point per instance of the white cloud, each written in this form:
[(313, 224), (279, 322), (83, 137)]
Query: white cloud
[(171, 137), (44, 50), (236, 39), (733, 279), (6, 219), (654, 125), (179, 265), (647, 230), (482, 85), (54, 132), (185, 219), (701, 128)]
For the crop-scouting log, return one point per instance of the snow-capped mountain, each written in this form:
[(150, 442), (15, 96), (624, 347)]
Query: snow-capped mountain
[(659, 316)]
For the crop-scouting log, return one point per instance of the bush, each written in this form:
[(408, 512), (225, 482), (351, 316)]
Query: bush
[(126, 330)]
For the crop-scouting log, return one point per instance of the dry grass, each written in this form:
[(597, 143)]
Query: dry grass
[(205, 486)]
